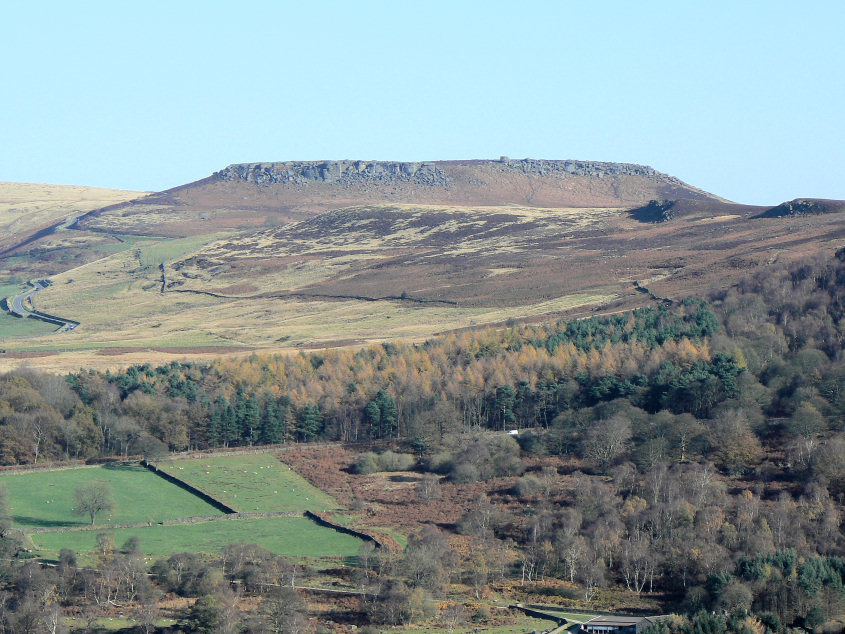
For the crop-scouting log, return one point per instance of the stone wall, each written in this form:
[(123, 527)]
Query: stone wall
[(322, 521), (220, 506)]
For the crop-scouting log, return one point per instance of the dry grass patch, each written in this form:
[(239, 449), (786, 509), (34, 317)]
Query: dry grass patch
[(27, 206)]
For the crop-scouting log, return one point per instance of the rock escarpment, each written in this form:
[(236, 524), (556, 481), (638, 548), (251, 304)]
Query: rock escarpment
[(431, 174), (342, 172)]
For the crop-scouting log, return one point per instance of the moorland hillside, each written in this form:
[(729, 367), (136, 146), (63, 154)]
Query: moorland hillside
[(286, 256)]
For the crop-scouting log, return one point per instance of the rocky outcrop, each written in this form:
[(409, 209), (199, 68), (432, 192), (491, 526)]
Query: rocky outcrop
[(803, 207), (431, 174), (655, 211), (598, 169), (340, 172)]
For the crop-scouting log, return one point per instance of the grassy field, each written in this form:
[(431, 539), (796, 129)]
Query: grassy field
[(23, 326), (166, 250), (525, 625), (44, 499), (288, 536), (9, 289), (11, 326), (251, 483)]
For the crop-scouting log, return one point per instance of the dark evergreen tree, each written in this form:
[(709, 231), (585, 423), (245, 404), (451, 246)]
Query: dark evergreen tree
[(372, 419), (274, 420), (251, 422), (309, 423), (389, 414)]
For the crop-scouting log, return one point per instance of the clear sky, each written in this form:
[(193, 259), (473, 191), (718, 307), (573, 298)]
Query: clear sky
[(744, 99)]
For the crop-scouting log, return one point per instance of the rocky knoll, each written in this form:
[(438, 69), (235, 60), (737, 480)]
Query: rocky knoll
[(804, 207)]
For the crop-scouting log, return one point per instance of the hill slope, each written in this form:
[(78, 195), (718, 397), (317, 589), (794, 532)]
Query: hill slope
[(217, 266)]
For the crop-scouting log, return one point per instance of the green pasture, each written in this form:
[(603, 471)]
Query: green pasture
[(8, 289), (257, 482), (11, 326), (169, 249), (288, 536), (43, 499)]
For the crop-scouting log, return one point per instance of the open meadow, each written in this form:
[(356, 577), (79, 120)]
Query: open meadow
[(41, 504), (44, 499), (251, 483), (11, 326), (295, 537)]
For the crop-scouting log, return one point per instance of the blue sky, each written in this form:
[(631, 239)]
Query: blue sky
[(744, 99)]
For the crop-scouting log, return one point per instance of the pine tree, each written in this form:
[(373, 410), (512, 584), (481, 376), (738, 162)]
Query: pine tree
[(239, 405), (214, 429), (250, 424), (273, 420), (389, 415), (309, 423), (230, 426), (372, 418)]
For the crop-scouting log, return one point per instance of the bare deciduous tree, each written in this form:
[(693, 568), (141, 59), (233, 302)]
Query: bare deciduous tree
[(93, 498)]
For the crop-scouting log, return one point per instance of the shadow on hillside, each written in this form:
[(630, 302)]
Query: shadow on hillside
[(24, 521), (123, 466)]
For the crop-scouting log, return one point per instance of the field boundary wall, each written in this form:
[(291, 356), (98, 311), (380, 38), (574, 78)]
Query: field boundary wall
[(190, 488), (218, 452), (539, 614), (322, 521)]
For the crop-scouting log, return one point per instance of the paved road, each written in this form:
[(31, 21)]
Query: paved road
[(17, 307), (18, 300)]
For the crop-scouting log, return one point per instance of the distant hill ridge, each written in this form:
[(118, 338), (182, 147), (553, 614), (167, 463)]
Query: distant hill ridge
[(274, 193)]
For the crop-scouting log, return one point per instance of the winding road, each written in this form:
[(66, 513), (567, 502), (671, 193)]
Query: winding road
[(17, 308)]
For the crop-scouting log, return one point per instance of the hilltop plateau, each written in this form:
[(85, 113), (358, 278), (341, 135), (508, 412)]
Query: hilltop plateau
[(286, 256)]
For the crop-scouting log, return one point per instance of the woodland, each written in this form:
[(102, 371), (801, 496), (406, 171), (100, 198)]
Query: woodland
[(686, 457)]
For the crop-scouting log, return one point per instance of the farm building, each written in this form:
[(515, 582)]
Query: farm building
[(619, 624)]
